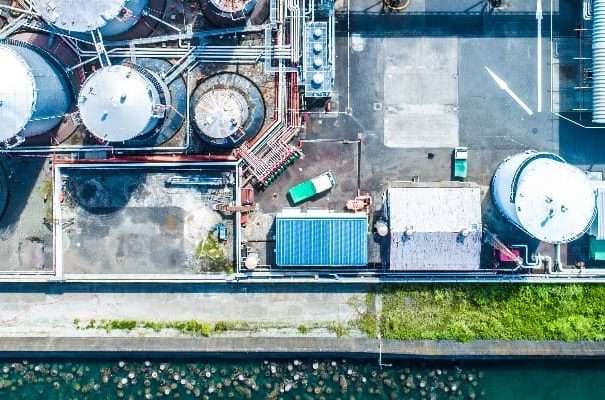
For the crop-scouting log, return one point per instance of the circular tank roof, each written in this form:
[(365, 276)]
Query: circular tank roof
[(78, 15), (554, 201), (220, 113), (230, 5), (17, 93), (116, 103)]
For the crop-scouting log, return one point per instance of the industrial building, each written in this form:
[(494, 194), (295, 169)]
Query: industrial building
[(159, 139), (434, 226), (321, 239)]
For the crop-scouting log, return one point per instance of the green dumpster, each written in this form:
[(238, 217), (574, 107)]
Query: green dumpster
[(460, 162)]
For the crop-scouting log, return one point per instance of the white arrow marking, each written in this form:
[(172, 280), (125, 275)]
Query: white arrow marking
[(504, 86)]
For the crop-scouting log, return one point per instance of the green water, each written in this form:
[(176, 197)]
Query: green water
[(300, 379)]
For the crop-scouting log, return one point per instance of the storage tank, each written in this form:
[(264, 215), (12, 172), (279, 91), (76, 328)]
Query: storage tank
[(34, 91), (227, 109), (111, 17), (122, 102), (544, 196), (227, 12)]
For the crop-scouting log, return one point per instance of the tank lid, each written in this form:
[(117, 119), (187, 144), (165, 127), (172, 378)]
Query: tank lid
[(230, 5), (80, 16), (221, 112), (17, 92), (554, 201), (116, 103)]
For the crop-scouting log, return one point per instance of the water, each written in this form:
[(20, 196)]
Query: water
[(301, 379)]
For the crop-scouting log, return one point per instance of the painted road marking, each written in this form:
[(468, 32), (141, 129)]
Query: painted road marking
[(504, 86)]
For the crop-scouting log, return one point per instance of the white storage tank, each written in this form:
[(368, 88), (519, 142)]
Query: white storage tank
[(227, 109), (111, 17), (227, 12), (122, 102), (544, 196), (34, 93)]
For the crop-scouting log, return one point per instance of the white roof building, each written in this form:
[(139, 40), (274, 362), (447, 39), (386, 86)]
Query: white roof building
[(434, 226)]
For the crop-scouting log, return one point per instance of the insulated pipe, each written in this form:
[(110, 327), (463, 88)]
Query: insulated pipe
[(598, 62)]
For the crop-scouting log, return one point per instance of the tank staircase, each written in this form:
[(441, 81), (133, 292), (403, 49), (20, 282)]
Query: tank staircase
[(97, 39)]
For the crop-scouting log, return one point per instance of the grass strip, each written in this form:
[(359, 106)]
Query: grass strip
[(507, 312)]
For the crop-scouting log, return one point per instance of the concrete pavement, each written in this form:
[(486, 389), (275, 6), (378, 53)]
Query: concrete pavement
[(52, 313)]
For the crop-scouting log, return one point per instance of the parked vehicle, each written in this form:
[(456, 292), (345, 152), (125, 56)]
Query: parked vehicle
[(460, 163), (312, 187)]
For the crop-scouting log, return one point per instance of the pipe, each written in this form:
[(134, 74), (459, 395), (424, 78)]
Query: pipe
[(232, 54), (147, 13), (20, 10), (526, 262)]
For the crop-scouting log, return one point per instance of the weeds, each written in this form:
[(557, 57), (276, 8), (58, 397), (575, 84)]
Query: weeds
[(463, 313)]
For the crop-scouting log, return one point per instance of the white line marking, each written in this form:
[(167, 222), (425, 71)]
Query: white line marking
[(539, 50), (504, 86)]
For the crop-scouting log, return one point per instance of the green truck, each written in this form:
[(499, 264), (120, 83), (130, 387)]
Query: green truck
[(312, 187)]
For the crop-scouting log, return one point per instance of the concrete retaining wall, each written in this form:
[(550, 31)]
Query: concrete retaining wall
[(225, 346)]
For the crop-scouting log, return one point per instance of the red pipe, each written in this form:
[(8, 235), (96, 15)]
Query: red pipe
[(148, 158)]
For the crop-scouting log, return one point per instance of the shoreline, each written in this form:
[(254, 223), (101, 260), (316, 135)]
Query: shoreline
[(195, 347)]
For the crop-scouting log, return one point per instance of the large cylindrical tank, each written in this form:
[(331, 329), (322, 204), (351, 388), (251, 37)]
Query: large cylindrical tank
[(227, 109), (111, 17), (544, 196), (122, 102), (227, 12), (34, 92)]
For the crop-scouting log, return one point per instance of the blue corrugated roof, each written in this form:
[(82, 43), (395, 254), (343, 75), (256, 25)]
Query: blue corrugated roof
[(321, 241)]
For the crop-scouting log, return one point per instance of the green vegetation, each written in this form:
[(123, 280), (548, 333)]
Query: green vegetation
[(303, 329), (508, 312), (119, 324), (192, 327), (366, 322), (205, 329), (338, 329), (230, 326), (211, 253), (46, 191)]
